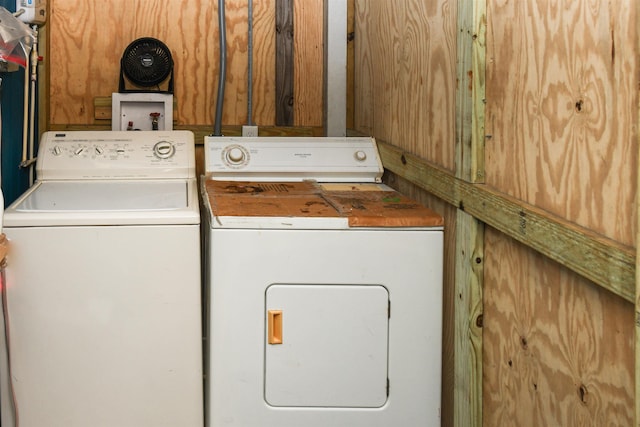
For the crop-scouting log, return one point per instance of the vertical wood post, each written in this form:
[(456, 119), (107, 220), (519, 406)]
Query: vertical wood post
[(470, 99), (284, 62)]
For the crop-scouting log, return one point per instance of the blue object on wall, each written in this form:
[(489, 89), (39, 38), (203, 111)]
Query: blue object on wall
[(15, 180)]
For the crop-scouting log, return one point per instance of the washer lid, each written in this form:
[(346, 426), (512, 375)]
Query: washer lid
[(107, 196), (105, 203)]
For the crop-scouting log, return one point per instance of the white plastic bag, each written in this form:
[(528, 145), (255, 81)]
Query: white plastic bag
[(16, 39)]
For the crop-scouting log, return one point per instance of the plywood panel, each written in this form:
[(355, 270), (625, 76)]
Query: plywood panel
[(308, 66), (562, 109), (264, 62), (558, 351), (374, 70), (88, 38), (406, 76)]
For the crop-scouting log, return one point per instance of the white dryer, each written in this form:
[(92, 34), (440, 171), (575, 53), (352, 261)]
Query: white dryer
[(102, 294), (324, 288)]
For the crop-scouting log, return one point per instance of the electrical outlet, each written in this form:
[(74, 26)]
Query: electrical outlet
[(250, 131)]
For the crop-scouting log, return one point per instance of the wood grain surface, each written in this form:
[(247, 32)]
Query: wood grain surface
[(406, 75), (284, 62), (562, 109), (561, 135), (558, 351), (308, 62), (87, 39)]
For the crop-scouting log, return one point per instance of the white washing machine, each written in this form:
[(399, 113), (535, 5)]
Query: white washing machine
[(324, 288), (102, 297)]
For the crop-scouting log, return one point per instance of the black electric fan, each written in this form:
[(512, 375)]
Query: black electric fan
[(146, 63)]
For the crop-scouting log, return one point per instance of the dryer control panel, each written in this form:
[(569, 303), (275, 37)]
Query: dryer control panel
[(324, 159), (113, 155)]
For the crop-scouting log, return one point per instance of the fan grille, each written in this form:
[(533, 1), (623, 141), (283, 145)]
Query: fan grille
[(147, 62)]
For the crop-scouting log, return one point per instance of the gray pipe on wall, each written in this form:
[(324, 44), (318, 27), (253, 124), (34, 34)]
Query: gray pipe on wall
[(222, 75), (250, 70)]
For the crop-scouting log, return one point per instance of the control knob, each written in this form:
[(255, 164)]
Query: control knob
[(164, 149), (235, 156), (360, 156)]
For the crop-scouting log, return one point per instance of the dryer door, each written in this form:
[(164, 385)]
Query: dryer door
[(326, 345)]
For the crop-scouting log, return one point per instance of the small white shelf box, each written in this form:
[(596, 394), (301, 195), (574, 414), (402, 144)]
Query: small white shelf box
[(137, 107)]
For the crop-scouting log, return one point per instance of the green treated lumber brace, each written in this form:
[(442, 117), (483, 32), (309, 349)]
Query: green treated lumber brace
[(605, 262)]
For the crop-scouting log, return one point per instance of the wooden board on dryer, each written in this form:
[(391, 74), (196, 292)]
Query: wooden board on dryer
[(382, 208), (364, 205), (267, 199)]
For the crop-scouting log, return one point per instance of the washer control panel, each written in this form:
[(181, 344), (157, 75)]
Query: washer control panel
[(324, 159), (116, 154)]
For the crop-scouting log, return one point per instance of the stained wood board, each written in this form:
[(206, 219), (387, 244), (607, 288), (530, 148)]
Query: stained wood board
[(366, 208), (284, 62)]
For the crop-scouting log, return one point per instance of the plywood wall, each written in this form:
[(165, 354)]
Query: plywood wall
[(87, 39), (562, 82), (561, 113), (562, 96), (558, 349), (405, 75)]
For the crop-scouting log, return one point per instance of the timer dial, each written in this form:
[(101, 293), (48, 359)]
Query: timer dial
[(164, 149), (235, 156), (360, 156)]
